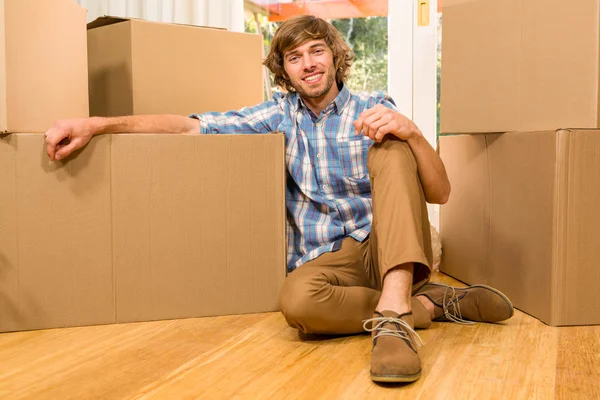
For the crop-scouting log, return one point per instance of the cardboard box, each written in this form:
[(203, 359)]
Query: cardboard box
[(55, 236), (519, 65), (140, 227), (140, 67), (43, 64), (524, 217)]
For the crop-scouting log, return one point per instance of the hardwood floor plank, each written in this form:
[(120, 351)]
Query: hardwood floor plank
[(108, 361), (259, 356), (578, 364)]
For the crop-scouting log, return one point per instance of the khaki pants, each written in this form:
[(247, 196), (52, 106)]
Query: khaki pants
[(336, 291)]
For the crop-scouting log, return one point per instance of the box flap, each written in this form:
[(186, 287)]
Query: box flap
[(110, 20), (105, 20)]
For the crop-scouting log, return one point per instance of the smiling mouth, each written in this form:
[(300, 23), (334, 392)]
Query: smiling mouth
[(313, 78)]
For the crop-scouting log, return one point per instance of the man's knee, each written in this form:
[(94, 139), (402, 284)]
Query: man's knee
[(297, 300), (391, 151)]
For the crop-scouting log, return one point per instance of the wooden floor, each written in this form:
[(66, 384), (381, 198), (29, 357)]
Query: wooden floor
[(259, 357)]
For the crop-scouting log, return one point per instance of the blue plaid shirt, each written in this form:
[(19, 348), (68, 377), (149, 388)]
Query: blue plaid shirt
[(328, 193)]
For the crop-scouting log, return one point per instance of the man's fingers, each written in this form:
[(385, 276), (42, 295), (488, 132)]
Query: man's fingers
[(377, 128), (55, 136), (61, 144), (50, 144), (383, 130), (65, 150), (55, 139), (370, 125), (368, 117), (359, 123)]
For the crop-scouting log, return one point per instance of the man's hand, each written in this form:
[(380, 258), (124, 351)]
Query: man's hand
[(68, 135), (380, 120)]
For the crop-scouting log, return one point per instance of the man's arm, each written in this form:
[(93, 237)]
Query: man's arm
[(66, 136), (380, 120), (431, 169)]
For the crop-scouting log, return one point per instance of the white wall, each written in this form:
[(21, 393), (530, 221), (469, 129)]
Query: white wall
[(227, 14), (412, 64)]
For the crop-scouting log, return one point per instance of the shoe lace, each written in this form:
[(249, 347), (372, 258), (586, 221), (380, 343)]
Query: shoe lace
[(376, 324), (450, 298)]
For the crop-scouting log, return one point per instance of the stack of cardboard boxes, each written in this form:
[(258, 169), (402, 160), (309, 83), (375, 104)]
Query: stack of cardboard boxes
[(133, 227), (520, 140)]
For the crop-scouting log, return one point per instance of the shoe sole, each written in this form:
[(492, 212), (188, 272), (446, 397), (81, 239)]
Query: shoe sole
[(395, 378), (499, 293)]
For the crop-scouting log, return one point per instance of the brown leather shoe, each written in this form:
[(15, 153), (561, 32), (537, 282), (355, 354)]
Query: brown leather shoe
[(394, 357), (477, 303), (421, 315)]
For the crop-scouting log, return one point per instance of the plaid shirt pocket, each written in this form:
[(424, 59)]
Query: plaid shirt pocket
[(353, 155)]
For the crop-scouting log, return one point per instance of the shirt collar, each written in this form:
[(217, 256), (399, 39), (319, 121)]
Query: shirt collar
[(341, 99)]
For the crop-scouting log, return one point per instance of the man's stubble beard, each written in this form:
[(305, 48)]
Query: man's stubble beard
[(328, 84)]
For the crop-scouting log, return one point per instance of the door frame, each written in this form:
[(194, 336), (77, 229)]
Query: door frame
[(412, 69)]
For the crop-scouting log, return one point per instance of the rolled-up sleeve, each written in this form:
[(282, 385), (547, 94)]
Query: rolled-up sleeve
[(262, 118)]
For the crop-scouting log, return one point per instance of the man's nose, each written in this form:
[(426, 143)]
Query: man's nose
[(308, 61)]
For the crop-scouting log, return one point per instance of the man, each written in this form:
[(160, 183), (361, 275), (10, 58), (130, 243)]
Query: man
[(359, 173)]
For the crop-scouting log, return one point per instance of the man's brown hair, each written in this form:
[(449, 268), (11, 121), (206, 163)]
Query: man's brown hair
[(299, 30)]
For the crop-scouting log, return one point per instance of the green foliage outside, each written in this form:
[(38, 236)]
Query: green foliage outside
[(368, 38)]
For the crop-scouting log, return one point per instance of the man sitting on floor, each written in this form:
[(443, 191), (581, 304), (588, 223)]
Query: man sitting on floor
[(359, 174)]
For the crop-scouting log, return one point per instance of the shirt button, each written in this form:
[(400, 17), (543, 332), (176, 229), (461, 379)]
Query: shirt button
[(319, 155), (325, 187)]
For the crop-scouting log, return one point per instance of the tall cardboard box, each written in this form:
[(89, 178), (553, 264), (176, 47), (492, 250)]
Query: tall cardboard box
[(198, 224), (55, 236), (139, 228), (524, 217), (520, 65), (140, 67), (43, 64)]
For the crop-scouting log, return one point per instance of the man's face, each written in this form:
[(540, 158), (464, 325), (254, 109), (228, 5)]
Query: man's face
[(310, 69)]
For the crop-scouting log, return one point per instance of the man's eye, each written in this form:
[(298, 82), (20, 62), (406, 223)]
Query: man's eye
[(318, 51), (293, 59)]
